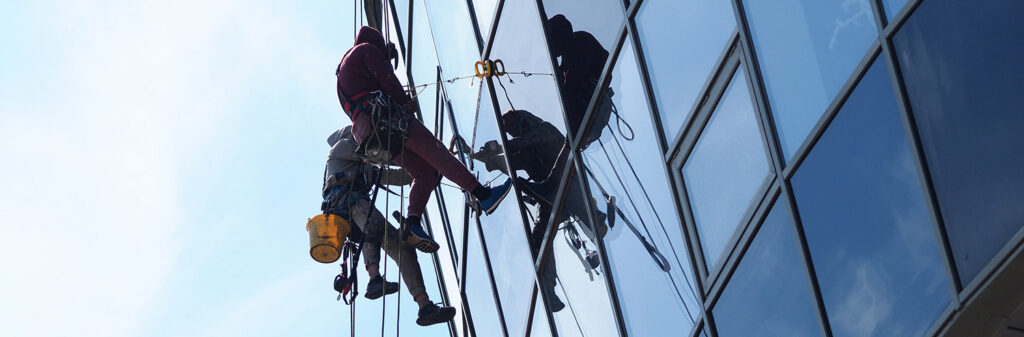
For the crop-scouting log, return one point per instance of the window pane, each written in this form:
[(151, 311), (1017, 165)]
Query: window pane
[(539, 93), (868, 230), (768, 294), (505, 235), (580, 34), (540, 327), (626, 164), (457, 51), (807, 50), (478, 288), (893, 7), (485, 15), (600, 18), (682, 41), (575, 288), (727, 170), (963, 72)]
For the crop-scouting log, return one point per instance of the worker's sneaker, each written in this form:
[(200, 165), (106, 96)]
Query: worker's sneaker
[(432, 314), (417, 237), (489, 204), (378, 287)]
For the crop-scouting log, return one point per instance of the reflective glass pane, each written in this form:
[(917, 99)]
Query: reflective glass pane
[(573, 261), (580, 34), (872, 241), (457, 51), (600, 18), (727, 170), (682, 41), (540, 327), (485, 15), (629, 181), (768, 294), (535, 93), (963, 72), (478, 289), (807, 50), (893, 7), (505, 233)]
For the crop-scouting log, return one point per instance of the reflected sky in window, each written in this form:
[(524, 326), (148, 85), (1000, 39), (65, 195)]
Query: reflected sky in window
[(537, 94), (654, 302), (682, 41), (893, 7), (457, 51), (807, 49), (506, 238), (484, 15), (961, 63), (872, 241), (478, 288), (727, 170), (768, 295)]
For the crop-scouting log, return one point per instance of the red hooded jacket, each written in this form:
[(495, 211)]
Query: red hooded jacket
[(365, 68)]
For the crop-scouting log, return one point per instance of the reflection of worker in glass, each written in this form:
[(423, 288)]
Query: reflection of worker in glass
[(363, 70), (534, 146), (347, 185), (582, 61)]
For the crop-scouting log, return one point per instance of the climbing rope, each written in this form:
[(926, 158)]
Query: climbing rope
[(571, 309), (643, 223)]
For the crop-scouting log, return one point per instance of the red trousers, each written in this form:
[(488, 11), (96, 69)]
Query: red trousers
[(425, 158)]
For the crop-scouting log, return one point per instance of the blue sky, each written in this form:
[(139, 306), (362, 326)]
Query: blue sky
[(160, 159)]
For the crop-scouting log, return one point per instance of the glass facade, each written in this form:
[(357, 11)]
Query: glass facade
[(963, 76), (720, 168), (867, 225)]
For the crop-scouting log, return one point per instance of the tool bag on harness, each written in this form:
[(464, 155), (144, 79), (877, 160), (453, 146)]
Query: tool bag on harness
[(390, 130), (388, 120)]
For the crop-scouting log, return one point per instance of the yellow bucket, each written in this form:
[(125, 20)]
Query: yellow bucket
[(326, 233)]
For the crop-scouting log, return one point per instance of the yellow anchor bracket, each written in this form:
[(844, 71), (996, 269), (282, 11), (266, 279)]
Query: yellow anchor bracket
[(488, 68)]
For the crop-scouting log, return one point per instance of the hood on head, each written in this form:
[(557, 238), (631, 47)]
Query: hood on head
[(337, 135), (518, 121), (370, 35), (559, 32)]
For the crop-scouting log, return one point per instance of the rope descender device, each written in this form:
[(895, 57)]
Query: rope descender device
[(488, 68)]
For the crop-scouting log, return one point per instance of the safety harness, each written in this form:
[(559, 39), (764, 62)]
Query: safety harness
[(338, 198), (347, 283), (389, 124)]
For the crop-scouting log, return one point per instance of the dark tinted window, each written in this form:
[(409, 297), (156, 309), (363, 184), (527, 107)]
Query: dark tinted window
[(768, 294), (961, 61), (871, 238)]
